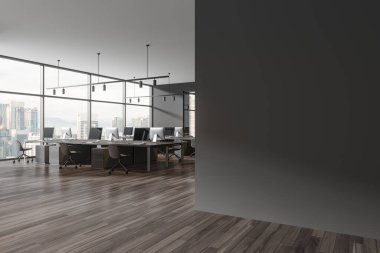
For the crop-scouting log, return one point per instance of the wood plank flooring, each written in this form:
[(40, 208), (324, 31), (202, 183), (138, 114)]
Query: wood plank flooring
[(44, 209)]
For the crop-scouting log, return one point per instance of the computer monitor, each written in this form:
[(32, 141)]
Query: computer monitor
[(48, 132), (66, 133), (178, 131), (169, 131), (95, 133), (128, 131), (112, 133), (141, 134), (156, 130)]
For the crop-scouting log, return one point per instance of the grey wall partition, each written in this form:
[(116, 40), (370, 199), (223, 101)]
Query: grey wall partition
[(288, 107), (169, 112)]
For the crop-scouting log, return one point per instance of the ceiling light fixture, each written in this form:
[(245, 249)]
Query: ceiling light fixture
[(147, 60), (58, 76), (93, 86)]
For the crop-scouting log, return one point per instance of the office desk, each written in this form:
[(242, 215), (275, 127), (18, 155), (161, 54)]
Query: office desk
[(147, 145), (182, 138), (186, 146)]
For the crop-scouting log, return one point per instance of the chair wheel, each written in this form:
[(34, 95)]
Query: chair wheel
[(126, 172), (109, 172), (27, 161), (80, 165), (14, 161), (76, 167), (60, 167), (32, 160)]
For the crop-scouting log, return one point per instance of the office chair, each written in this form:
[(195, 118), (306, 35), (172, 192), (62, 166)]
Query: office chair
[(68, 155), (114, 153), (22, 149), (172, 151), (193, 146)]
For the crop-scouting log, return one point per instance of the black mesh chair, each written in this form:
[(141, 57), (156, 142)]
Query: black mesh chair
[(68, 155), (22, 149), (114, 154), (169, 132)]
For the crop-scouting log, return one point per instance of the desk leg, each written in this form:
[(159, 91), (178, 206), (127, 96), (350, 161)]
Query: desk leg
[(167, 156), (148, 159)]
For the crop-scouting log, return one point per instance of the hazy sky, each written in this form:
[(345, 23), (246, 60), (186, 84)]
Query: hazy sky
[(74, 30)]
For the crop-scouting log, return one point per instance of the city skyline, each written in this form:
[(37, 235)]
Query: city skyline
[(21, 122)]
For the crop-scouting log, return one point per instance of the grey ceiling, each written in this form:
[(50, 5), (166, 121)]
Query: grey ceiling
[(74, 30)]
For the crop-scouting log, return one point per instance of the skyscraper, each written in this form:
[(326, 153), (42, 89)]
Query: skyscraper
[(31, 119), (17, 115), (82, 126), (4, 117), (118, 122)]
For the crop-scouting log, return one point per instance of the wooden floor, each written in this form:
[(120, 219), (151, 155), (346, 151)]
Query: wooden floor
[(44, 209)]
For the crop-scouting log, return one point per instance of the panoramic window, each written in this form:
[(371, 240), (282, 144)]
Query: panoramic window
[(66, 78), (107, 115), (20, 77), (67, 113), (19, 121), (112, 92), (138, 116), (134, 91), (21, 99)]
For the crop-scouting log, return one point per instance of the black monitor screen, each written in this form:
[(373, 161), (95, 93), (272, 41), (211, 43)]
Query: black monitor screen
[(169, 131), (128, 130), (48, 132), (141, 134), (95, 133)]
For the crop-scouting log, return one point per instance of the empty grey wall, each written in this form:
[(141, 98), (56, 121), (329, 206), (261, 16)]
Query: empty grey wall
[(288, 112), (169, 112)]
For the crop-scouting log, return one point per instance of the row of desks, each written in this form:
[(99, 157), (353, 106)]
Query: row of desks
[(137, 146)]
